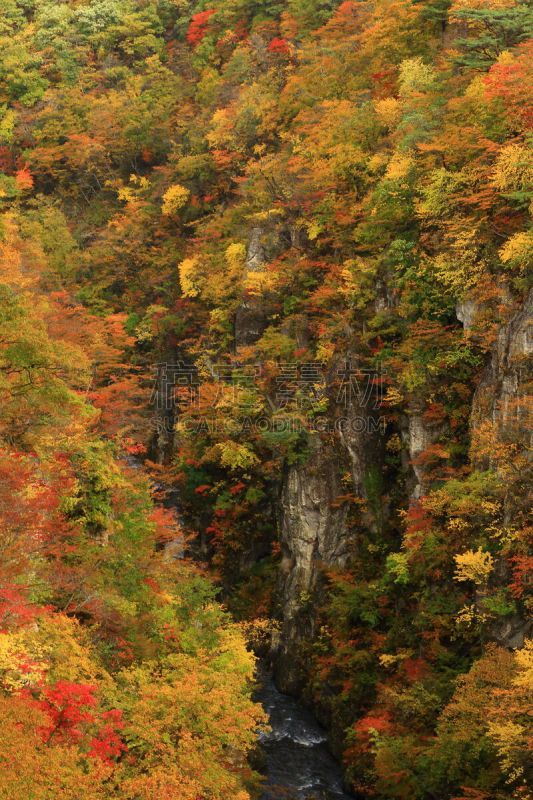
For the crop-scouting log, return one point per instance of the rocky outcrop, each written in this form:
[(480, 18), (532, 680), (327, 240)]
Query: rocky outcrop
[(313, 537), (418, 435), (504, 392), (265, 242), (361, 434), (466, 312), (251, 317), (503, 398), (512, 631), (163, 405)]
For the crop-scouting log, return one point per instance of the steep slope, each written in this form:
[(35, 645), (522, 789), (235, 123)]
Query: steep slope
[(297, 237)]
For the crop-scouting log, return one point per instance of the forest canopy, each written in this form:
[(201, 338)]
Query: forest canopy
[(273, 203)]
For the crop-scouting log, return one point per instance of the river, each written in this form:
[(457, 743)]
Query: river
[(299, 765)]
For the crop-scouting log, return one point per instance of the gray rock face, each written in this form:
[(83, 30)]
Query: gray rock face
[(512, 631), (265, 242), (255, 257), (503, 398), (163, 411), (466, 311), (419, 438), (313, 523), (503, 395), (357, 441), (251, 317), (313, 536), (362, 436), (418, 435)]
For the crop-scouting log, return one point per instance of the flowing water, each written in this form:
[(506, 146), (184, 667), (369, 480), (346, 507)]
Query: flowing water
[(299, 765)]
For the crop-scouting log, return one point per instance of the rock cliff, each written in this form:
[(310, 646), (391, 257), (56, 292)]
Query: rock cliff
[(503, 394), (313, 536)]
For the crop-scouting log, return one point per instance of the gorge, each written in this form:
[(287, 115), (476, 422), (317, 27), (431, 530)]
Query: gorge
[(265, 399)]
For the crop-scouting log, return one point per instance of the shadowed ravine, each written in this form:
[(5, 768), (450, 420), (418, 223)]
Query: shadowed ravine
[(298, 764)]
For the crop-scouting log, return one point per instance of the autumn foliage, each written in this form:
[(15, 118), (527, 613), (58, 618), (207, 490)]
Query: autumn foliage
[(260, 193)]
